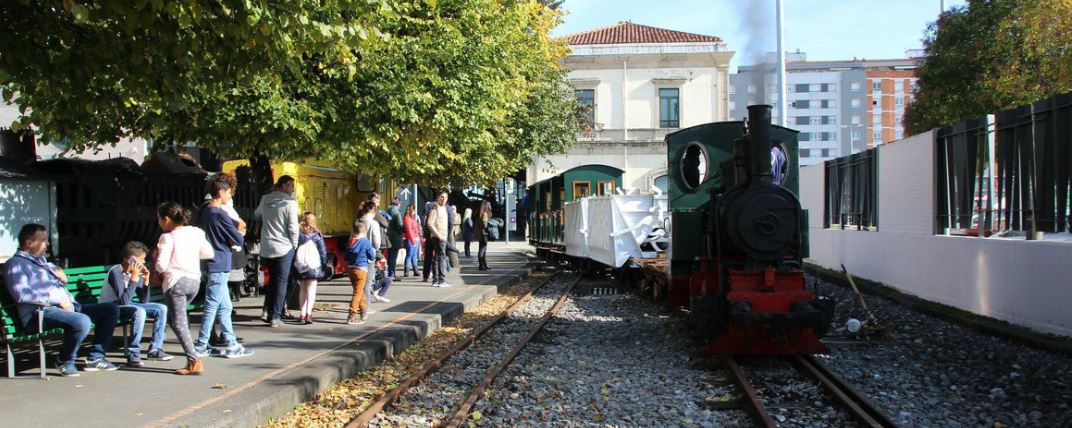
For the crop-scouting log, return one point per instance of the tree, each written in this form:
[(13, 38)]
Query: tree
[(991, 55), (417, 89)]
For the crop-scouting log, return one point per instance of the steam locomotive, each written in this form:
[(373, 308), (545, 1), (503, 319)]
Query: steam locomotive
[(738, 237)]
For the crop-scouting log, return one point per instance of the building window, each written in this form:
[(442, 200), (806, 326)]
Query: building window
[(606, 188), (826, 153), (587, 99), (855, 103), (733, 89), (829, 120), (801, 87), (855, 86), (855, 119), (876, 136), (751, 89), (876, 85), (899, 101), (804, 136), (805, 153), (803, 120), (816, 120), (802, 104), (668, 108), (662, 183), (854, 136), (733, 105)]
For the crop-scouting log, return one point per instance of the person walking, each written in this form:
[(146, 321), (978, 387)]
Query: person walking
[(358, 252), (480, 229), (429, 248), (438, 229), (178, 261), (467, 230), (367, 215), (278, 212), (308, 274), (396, 227), (452, 236), (222, 234), (411, 237)]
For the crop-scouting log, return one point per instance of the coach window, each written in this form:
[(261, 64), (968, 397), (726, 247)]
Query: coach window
[(606, 188), (694, 166), (581, 189)]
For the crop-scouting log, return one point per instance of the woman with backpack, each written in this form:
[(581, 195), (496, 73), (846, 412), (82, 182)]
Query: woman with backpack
[(309, 261)]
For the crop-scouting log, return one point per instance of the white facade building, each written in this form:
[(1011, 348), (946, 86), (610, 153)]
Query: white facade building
[(641, 83), (136, 149)]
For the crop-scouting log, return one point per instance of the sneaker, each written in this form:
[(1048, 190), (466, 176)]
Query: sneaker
[(385, 300), (353, 320), (218, 341), (376, 298), (158, 354), (100, 364), (202, 353), (67, 369), (238, 351), (276, 323), (134, 361), (443, 285), (435, 284)]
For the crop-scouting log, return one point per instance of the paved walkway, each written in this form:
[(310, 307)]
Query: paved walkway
[(291, 364)]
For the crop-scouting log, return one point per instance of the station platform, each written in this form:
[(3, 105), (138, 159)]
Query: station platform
[(291, 365)]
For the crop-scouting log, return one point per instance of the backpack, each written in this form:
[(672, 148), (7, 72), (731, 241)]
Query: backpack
[(307, 257)]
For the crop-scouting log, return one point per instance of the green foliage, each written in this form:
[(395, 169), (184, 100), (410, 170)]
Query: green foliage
[(991, 55), (417, 90)]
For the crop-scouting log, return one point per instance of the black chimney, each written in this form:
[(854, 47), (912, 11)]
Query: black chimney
[(759, 143)]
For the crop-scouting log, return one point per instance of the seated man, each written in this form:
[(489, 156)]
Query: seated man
[(36, 284), (125, 280)]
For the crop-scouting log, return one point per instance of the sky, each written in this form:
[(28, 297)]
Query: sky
[(824, 29)]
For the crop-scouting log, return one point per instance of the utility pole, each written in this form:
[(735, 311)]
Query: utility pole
[(782, 91)]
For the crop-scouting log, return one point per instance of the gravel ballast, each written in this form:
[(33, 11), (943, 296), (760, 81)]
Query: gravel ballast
[(934, 373)]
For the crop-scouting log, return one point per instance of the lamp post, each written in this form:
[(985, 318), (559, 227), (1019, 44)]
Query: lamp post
[(850, 140)]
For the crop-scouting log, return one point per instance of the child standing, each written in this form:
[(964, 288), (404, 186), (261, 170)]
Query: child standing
[(179, 253), (358, 253), (308, 280)]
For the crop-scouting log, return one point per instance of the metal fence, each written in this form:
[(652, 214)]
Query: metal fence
[(1007, 172), (851, 192)]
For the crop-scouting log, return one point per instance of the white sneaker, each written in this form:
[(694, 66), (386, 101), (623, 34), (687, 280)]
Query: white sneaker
[(376, 298), (444, 285), (435, 284), (384, 299)]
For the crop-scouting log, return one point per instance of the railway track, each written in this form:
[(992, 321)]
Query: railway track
[(859, 408), (374, 415)]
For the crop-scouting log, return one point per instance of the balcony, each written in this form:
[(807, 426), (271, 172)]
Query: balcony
[(641, 135)]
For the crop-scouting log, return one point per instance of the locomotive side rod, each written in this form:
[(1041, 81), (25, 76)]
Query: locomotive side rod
[(753, 403)]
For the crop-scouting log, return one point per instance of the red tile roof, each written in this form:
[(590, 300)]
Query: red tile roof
[(628, 32)]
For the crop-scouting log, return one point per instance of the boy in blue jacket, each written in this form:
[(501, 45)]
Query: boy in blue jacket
[(358, 253), (125, 280)]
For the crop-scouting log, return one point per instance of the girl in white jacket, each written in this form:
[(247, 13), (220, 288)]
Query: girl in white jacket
[(178, 261)]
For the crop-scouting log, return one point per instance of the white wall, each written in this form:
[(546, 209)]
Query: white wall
[(25, 201), (1022, 282)]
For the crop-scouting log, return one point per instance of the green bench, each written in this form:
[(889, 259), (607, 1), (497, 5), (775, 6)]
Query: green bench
[(85, 285)]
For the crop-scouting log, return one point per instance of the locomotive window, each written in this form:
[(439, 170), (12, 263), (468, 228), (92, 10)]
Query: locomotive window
[(694, 166), (779, 164)]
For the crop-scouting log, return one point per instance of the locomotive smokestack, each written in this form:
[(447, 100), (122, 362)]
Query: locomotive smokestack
[(759, 143)]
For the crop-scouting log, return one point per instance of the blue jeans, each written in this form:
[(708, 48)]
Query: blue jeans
[(392, 260), (275, 299), (411, 256), (217, 306), (75, 327), (138, 312), (380, 287)]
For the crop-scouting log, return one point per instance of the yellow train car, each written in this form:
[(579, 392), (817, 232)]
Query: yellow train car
[(333, 195)]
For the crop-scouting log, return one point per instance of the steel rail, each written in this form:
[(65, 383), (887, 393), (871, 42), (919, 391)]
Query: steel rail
[(362, 420), (857, 404), (752, 401), (461, 414)]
